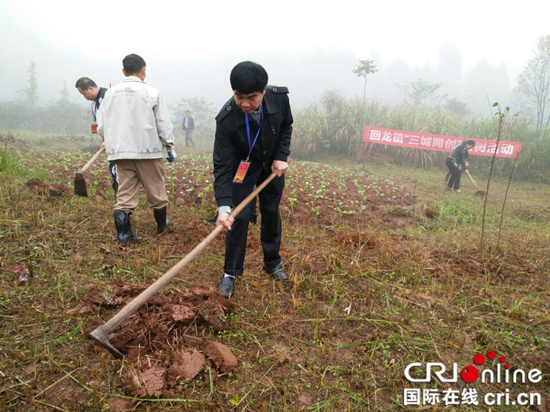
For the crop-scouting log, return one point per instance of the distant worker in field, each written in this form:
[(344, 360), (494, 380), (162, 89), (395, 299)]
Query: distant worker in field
[(188, 126), (136, 127), (457, 163), (92, 92), (253, 130)]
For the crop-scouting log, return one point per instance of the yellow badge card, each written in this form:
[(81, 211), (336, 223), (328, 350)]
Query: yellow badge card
[(241, 172)]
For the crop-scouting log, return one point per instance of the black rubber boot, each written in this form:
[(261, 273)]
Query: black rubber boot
[(162, 220), (124, 228)]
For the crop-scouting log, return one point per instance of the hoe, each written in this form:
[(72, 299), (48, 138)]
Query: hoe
[(479, 192), (79, 181), (101, 333)]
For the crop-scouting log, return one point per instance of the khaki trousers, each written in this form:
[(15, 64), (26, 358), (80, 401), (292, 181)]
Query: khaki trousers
[(148, 172)]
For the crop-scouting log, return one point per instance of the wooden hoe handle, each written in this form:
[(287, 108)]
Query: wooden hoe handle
[(92, 160), (472, 179), (144, 296)]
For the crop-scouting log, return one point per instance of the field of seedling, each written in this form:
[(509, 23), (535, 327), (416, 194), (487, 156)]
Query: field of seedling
[(387, 269)]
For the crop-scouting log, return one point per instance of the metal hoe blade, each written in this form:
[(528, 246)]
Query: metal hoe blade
[(101, 336), (80, 185)]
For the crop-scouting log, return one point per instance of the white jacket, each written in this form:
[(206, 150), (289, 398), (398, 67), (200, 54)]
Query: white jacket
[(134, 122)]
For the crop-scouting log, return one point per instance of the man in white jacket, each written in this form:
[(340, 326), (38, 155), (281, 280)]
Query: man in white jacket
[(136, 127)]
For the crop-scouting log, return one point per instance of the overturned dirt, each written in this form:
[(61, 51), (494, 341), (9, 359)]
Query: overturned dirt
[(51, 190), (164, 342), (221, 356), (187, 364)]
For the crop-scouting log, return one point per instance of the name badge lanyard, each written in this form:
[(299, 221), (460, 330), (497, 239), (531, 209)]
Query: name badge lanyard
[(94, 110), (94, 114), (252, 144), (245, 164)]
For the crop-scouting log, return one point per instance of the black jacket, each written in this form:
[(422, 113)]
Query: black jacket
[(99, 97), (231, 142), (97, 102), (460, 154), (190, 125)]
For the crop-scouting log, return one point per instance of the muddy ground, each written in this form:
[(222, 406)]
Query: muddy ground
[(164, 341), (373, 289)]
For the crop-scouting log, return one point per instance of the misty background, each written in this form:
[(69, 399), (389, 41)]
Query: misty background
[(475, 50), (425, 66)]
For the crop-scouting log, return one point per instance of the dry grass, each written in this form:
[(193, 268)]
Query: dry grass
[(368, 296)]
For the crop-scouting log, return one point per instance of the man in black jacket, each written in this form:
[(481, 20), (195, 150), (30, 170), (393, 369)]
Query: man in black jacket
[(92, 92), (253, 130), (188, 126)]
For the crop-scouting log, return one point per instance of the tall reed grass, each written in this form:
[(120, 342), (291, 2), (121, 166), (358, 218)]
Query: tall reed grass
[(333, 126)]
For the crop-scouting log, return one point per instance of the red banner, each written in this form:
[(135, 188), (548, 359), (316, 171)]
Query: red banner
[(436, 142)]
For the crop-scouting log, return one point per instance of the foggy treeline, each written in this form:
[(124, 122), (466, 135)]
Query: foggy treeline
[(307, 75), (331, 103)]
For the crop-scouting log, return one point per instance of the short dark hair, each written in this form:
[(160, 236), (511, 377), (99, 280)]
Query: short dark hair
[(248, 77), (84, 83), (470, 142), (133, 64)]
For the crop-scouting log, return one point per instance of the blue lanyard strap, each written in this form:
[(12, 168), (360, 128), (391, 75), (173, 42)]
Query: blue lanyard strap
[(94, 110), (95, 104), (250, 144)]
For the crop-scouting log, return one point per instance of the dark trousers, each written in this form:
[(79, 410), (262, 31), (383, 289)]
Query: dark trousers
[(456, 173), (188, 139), (271, 229)]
